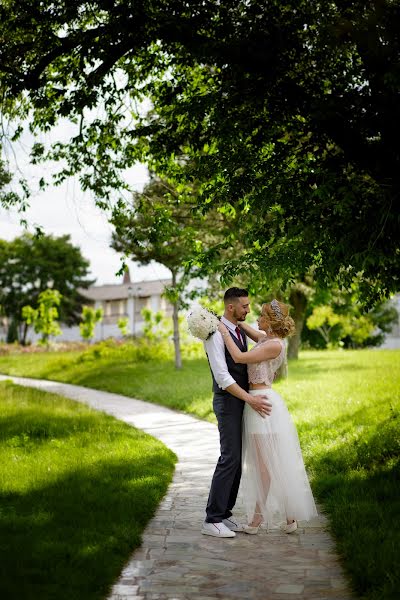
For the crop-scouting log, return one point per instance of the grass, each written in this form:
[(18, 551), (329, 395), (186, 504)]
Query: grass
[(120, 370), (346, 406), (347, 411), (77, 488)]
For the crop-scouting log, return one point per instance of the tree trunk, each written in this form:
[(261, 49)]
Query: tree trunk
[(12, 332), (298, 300), (176, 338), (24, 334), (325, 334)]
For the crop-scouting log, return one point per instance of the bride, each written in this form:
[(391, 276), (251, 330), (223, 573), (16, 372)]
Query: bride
[(274, 481)]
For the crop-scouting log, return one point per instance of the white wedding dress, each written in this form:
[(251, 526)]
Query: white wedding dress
[(274, 480)]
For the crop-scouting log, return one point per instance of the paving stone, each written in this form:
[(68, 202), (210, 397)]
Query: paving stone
[(289, 588), (123, 592), (168, 588), (126, 597), (176, 562), (156, 552)]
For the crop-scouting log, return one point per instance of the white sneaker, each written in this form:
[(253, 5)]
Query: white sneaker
[(231, 524), (241, 527), (217, 530)]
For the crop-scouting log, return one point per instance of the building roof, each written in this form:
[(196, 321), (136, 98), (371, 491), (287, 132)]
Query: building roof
[(121, 291)]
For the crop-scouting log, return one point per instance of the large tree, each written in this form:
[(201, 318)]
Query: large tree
[(31, 264), (160, 224), (288, 110)]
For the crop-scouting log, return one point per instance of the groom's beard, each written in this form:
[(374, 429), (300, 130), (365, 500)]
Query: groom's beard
[(240, 317)]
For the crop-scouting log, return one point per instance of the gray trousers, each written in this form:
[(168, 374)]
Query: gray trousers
[(226, 479)]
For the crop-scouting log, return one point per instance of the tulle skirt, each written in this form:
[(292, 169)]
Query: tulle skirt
[(274, 480)]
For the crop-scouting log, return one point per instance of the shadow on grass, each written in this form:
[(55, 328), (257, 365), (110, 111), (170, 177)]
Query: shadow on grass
[(359, 487), (29, 430), (364, 511), (69, 540)]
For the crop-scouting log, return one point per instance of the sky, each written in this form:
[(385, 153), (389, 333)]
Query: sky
[(66, 209)]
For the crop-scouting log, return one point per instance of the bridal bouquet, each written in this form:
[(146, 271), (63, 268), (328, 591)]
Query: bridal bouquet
[(202, 323)]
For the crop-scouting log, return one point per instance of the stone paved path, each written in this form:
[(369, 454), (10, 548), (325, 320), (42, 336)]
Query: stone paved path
[(175, 561)]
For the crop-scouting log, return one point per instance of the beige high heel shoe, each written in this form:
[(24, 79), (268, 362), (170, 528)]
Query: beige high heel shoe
[(253, 529), (290, 527)]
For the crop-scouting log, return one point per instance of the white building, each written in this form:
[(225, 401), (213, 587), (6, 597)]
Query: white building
[(392, 339), (126, 299)]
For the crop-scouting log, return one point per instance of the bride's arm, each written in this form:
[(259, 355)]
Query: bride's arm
[(255, 334), (263, 352)]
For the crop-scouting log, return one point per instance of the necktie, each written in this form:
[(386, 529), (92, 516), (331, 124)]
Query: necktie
[(239, 335)]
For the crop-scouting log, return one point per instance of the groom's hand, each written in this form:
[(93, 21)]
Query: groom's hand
[(260, 404)]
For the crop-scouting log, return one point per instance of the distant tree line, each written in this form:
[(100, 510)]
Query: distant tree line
[(30, 265)]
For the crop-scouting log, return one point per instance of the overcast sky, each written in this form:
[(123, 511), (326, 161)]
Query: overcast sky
[(67, 210)]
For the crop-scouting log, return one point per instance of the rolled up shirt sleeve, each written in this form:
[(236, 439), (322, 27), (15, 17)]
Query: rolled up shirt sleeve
[(215, 349)]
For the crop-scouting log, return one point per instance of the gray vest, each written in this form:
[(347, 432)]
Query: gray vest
[(237, 370)]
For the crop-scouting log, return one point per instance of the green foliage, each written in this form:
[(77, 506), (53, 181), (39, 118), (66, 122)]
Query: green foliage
[(164, 224), (156, 226), (284, 113), (216, 305), (123, 326), (334, 328), (324, 319), (44, 318), (344, 322), (77, 489), (89, 318), (156, 325), (136, 351), (158, 330), (8, 198), (31, 264)]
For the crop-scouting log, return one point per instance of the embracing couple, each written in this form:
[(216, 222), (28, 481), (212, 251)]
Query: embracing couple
[(257, 435)]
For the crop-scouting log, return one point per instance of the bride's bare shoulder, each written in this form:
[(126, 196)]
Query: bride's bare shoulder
[(272, 347)]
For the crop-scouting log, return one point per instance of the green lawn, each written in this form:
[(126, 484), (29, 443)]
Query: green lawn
[(346, 406), (77, 488), (123, 371)]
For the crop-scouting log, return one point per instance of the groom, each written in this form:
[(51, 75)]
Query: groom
[(230, 387)]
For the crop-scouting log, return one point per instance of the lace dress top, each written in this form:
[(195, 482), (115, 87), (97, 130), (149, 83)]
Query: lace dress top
[(263, 372)]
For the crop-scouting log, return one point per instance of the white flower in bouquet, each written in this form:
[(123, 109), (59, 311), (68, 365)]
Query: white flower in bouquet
[(202, 323)]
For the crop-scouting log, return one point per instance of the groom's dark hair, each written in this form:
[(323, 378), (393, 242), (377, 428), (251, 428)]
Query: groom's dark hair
[(234, 292)]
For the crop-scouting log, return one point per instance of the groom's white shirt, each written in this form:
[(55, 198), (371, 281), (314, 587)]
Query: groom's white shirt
[(215, 349)]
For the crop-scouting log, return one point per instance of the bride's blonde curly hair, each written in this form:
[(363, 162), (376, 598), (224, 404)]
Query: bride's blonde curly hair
[(277, 315)]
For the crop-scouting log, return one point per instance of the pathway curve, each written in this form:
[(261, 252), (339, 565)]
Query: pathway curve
[(175, 561)]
